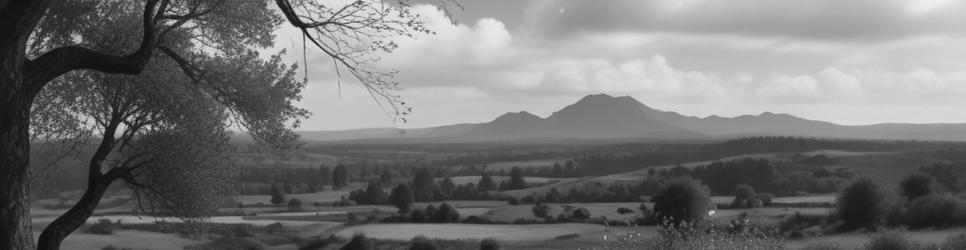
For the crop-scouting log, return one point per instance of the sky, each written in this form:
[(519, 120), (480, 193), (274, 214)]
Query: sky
[(849, 62)]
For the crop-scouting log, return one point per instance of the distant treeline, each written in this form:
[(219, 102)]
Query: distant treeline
[(627, 157)]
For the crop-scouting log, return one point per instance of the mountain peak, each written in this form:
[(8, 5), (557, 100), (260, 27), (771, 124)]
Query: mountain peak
[(516, 116)]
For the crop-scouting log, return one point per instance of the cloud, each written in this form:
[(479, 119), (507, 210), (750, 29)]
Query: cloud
[(862, 20)]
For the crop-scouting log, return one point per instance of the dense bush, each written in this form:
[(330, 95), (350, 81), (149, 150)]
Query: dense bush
[(490, 244), (863, 203), (937, 210), (744, 196), (359, 242), (891, 240), (918, 185), (687, 237), (581, 214), (540, 210), (682, 200), (422, 243)]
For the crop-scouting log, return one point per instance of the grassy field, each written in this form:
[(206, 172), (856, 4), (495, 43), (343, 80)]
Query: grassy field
[(463, 180), (536, 232), (126, 239)]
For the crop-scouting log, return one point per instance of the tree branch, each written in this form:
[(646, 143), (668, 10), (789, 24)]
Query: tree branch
[(38, 72)]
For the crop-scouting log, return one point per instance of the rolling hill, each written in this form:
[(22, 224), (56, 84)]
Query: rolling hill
[(604, 117)]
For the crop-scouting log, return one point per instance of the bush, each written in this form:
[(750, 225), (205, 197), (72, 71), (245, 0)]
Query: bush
[(359, 242), (918, 185), (890, 240), (422, 243), (295, 204), (109, 247), (274, 228), (682, 200), (540, 211), (513, 201), (936, 210), (624, 210), (446, 213), (863, 203), (744, 195), (765, 199), (103, 226), (490, 244), (581, 214)]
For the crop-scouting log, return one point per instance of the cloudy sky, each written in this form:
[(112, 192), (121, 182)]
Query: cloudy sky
[(843, 61)]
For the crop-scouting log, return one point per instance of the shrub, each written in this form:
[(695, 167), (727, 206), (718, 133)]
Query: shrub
[(109, 247), (274, 228), (624, 210), (581, 214), (936, 210), (890, 240), (295, 204), (422, 243), (863, 203), (513, 201), (682, 200), (744, 195), (359, 242), (540, 210), (446, 213), (765, 199), (490, 244), (918, 185), (103, 226)]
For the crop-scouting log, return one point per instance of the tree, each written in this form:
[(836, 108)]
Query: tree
[(540, 210), (277, 196), (402, 198), (516, 179), (581, 214), (744, 196), (41, 41), (374, 193), (325, 173), (486, 183), (682, 200), (423, 185), (918, 185), (490, 244), (340, 177), (359, 242), (386, 176), (422, 243), (295, 204), (863, 203), (446, 213)]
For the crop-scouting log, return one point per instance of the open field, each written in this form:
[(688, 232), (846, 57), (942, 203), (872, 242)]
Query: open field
[(471, 231), (463, 180), (126, 239)]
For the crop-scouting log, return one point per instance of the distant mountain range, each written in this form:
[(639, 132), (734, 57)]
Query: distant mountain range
[(604, 117)]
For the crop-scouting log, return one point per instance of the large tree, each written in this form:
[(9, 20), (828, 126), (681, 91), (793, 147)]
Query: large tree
[(44, 40)]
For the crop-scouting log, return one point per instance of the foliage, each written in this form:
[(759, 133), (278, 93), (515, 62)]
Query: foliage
[(231, 243), (952, 176), (422, 243), (295, 204), (402, 198), (446, 213), (955, 242), (744, 195), (918, 185), (937, 210), (423, 185), (340, 177), (277, 196), (490, 244), (682, 200), (540, 210), (824, 246), (486, 183), (863, 203), (891, 240), (516, 179), (581, 214), (687, 236), (359, 242)]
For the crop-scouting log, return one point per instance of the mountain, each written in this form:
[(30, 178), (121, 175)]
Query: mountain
[(604, 117)]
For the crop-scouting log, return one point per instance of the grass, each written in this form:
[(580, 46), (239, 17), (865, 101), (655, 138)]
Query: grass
[(508, 165), (125, 238), (535, 232)]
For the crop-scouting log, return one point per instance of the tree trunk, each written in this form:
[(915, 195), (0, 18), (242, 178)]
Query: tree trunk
[(15, 221), (64, 225)]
